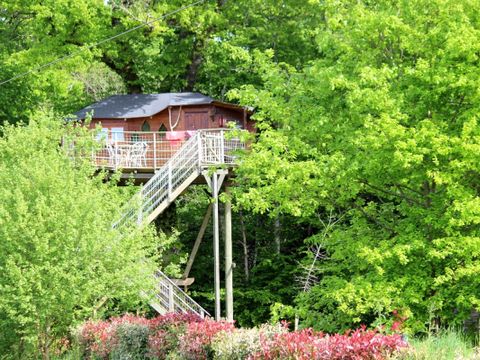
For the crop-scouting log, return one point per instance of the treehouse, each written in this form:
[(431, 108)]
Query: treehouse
[(170, 142), (141, 132)]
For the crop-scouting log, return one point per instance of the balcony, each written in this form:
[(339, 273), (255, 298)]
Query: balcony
[(146, 152)]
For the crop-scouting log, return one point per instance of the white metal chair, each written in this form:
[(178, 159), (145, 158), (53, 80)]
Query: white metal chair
[(137, 156), (114, 157)]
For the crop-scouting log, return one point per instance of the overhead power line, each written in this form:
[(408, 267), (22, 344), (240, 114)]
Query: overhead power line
[(60, 59)]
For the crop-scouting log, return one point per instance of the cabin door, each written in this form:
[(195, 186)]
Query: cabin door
[(196, 120)]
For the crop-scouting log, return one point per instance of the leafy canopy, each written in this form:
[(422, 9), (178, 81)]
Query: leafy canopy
[(382, 130), (59, 256)]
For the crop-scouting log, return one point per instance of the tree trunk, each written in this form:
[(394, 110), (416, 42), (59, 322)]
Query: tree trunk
[(197, 60), (276, 232), (255, 244), (44, 341), (244, 244)]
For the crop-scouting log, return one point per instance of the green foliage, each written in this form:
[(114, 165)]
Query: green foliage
[(382, 131), (59, 256), (206, 48), (368, 114), (34, 33), (243, 343), (132, 342)]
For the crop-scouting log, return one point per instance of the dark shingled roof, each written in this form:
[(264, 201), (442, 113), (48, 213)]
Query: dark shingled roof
[(140, 105)]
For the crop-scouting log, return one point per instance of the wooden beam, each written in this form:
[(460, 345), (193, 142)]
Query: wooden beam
[(203, 227), (208, 180), (183, 282), (222, 173)]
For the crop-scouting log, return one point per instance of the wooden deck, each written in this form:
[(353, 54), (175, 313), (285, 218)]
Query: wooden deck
[(141, 176), (139, 155)]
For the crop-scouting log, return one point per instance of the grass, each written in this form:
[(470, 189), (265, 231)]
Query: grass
[(447, 345)]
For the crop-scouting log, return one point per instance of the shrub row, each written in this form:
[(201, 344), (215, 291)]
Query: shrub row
[(186, 336)]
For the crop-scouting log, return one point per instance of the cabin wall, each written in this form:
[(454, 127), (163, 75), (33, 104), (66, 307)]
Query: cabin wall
[(182, 118)]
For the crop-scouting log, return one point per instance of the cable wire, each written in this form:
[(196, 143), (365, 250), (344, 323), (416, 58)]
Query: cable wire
[(53, 62)]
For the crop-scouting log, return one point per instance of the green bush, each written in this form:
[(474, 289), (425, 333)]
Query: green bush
[(132, 342), (242, 343)]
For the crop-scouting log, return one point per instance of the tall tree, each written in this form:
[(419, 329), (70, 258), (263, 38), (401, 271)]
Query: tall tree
[(381, 130), (59, 256)]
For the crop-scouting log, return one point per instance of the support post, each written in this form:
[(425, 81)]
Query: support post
[(216, 246), (228, 261)]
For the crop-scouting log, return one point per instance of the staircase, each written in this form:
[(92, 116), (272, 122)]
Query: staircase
[(205, 149)]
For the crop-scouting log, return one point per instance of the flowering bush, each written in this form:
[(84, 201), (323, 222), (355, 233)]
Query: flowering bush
[(360, 344)]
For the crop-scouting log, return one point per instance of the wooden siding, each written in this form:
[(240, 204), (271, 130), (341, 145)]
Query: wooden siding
[(189, 118)]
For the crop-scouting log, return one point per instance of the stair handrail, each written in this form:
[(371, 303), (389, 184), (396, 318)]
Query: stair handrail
[(191, 304), (138, 209), (134, 207)]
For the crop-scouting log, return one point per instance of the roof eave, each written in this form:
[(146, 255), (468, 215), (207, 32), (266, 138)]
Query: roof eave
[(249, 110)]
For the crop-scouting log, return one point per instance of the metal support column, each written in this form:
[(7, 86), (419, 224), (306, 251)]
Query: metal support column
[(216, 245), (228, 261)]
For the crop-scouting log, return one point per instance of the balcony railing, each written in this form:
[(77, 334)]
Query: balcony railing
[(137, 149), (140, 150)]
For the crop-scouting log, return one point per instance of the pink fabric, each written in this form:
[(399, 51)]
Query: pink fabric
[(176, 135)]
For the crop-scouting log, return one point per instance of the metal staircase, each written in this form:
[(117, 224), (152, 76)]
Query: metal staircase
[(205, 149)]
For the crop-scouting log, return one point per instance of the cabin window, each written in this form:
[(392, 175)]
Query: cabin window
[(162, 130), (145, 126), (102, 135), (117, 134), (134, 137)]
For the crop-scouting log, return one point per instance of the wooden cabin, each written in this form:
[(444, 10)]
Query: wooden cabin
[(165, 112), (140, 132)]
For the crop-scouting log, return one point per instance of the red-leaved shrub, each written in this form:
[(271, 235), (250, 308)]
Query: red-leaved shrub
[(173, 320), (196, 342), (190, 337), (99, 338), (166, 331), (360, 344)]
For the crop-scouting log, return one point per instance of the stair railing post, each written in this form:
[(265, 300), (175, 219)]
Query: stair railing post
[(200, 149), (169, 180), (154, 151), (171, 304), (222, 146)]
